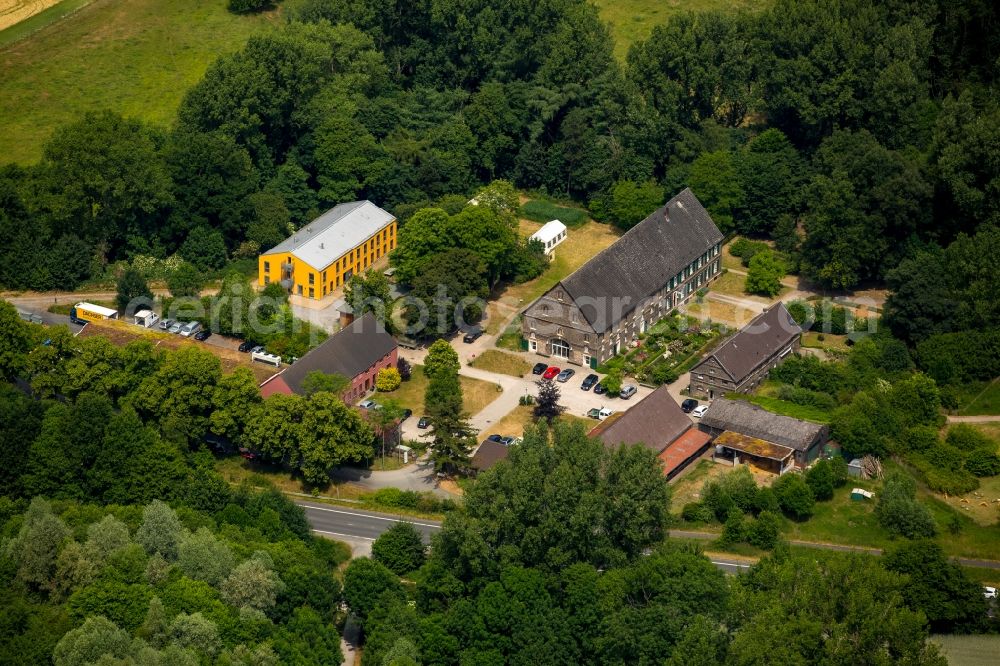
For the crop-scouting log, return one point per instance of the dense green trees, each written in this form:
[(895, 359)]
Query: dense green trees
[(159, 585)]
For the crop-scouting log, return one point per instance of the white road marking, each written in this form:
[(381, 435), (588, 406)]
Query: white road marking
[(732, 564), (365, 515), (347, 536)]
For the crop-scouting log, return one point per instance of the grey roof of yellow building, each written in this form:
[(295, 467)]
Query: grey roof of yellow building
[(333, 233)]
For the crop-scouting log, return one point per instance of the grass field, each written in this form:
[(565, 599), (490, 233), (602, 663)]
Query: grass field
[(137, 57), (979, 398), (979, 650), (493, 360), (830, 341), (475, 393), (633, 20)]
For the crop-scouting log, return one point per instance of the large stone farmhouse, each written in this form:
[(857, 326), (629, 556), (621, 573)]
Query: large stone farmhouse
[(743, 361), (602, 308)]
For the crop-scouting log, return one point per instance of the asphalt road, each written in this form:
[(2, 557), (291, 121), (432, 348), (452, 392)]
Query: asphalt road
[(338, 521), (345, 522)]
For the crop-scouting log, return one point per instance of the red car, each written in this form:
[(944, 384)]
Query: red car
[(551, 372)]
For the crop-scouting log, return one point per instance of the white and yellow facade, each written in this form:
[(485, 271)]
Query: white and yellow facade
[(322, 256)]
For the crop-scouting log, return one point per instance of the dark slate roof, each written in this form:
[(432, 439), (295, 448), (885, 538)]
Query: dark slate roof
[(749, 419), (643, 260), (655, 421), (349, 352), (757, 342), (489, 454)]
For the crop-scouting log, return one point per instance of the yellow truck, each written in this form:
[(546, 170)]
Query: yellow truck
[(82, 312)]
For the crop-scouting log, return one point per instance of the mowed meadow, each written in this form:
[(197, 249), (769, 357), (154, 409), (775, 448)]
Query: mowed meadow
[(137, 57)]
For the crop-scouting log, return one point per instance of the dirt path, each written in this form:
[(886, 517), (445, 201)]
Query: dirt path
[(985, 418)]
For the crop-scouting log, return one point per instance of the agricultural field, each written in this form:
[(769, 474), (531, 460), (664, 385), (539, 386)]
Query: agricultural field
[(633, 20), (981, 650), (136, 57)]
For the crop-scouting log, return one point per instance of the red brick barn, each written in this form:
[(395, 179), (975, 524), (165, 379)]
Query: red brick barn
[(358, 352)]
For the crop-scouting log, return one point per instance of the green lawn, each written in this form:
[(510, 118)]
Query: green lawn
[(843, 520), (137, 57), (979, 398), (494, 360), (475, 393), (633, 20), (786, 408)]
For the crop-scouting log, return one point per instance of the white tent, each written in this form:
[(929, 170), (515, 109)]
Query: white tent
[(550, 235)]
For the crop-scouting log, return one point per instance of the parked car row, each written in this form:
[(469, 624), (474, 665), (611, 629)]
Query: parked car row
[(185, 329), (591, 381)]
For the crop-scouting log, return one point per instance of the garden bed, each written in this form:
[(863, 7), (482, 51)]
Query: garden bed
[(668, 349)]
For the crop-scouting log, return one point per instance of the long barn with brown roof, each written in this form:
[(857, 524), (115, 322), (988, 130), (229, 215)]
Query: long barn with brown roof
[(740, 363)]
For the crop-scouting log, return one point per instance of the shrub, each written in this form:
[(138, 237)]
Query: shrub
[(966, 438), (745, 249), (697, 512), (820, 480), (395, 497), (803, 396), (795, 497), (765, 530), (898, 510), (983, 463), (388, 379), (733, 531), (400, 548), (839, 468), (405, 371)]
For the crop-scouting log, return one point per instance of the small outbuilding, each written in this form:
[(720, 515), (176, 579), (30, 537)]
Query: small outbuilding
[(737, 449), (551, 234)]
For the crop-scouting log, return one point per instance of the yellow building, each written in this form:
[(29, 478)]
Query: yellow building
[(323, 255)]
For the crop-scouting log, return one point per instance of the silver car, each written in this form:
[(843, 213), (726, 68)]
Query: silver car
[(190, 328), (628, 391), (176, 328)]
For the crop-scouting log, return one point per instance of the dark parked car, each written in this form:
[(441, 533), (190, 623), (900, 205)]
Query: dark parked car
[(599, 389), (473, 334), (407, 413), (539, 368), (565, 375), (246, 346), (495, 438), (203, 334), (423, 423), (688, 405), (589, 381)]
